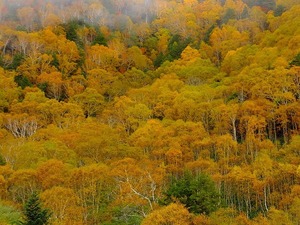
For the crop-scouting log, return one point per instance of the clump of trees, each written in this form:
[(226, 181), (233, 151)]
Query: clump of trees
[(117, 114), (197, 193)]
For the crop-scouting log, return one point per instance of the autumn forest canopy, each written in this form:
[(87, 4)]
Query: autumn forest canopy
[(151, 112)]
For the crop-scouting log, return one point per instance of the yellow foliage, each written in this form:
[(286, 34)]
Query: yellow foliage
[(174, 214)]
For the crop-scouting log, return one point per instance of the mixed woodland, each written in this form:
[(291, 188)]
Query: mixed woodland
[(152, 112)]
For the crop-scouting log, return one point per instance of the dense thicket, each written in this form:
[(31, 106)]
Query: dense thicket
[(105, 104)]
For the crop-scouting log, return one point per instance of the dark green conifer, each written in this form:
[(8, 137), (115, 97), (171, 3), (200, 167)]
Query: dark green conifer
[(34, 213), (197, 193)]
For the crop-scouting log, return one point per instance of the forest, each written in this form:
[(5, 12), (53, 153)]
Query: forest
[(151, 112)]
